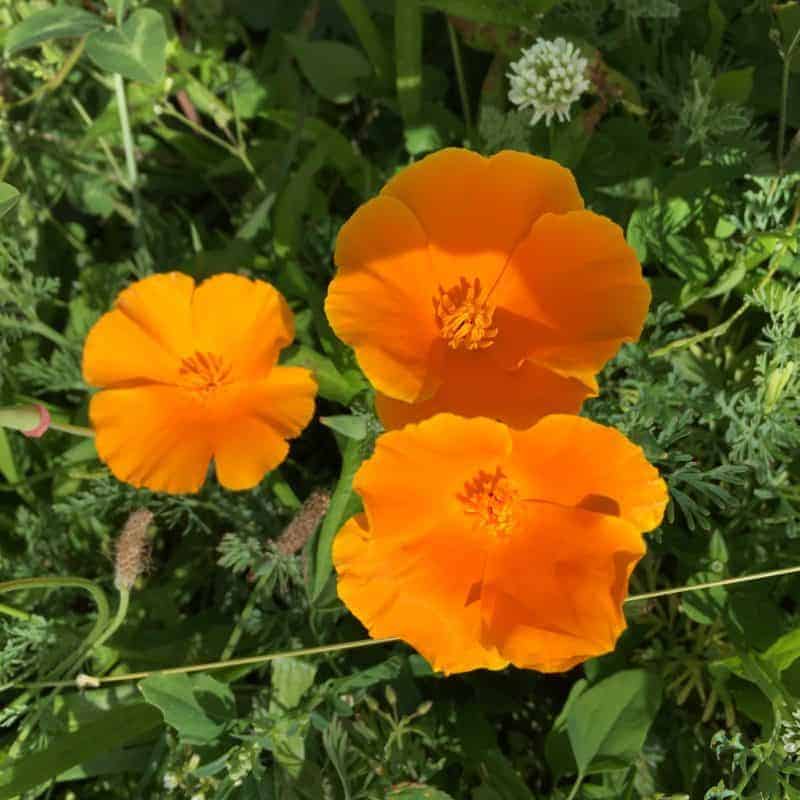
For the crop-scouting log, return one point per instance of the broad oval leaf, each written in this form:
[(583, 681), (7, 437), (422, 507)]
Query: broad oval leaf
[(608, 723), (62, 22), (197, 706), (137, 50), (332, 68)]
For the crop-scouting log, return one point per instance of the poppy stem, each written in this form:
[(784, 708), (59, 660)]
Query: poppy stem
[(334, 648), (712, 584), (75, 430)]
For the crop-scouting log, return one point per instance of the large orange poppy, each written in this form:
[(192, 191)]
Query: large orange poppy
[(482, 546), (189, 373), (482, 287)]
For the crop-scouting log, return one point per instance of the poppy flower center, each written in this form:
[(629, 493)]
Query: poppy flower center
[(464, 318), (491, 497), (204, 371)]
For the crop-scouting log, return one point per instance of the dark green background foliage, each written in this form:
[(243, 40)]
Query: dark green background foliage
[(256, 128)]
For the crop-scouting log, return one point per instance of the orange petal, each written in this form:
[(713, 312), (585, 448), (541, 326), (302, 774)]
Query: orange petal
[(152, 436), (424, 597), (119, 352), (574, 462), (579, 286), (418, 472), (554, 587), (246, 322), (475, 210), (260, 417), (161, 306), (381, 300), (474, 385)]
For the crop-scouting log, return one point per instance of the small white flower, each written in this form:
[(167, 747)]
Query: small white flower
[(548, 78), (170, 781)]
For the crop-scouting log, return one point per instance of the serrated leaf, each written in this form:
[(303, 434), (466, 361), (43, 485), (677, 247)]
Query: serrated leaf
[(137, 50), (608, 723), (332, 68), (62, 22), (197, 706), (9, 197)]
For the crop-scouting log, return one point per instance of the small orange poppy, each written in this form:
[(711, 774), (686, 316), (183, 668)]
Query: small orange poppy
[(480, 286), (482, 546), (190, 373)]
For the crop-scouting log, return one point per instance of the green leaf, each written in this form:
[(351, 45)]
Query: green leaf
[(370, 37), (110, 732), (62, 22), (291, 679), (344, 503), (408, 57), (294, 201), (734, 86), (501, 780), (8, 198), (119, 7), (417, 791), (608, 723), (500, 12), (341, 387), (8, 468), (364, 679), (783, 652), (197, 706), (350, 425), (137, 50), (332, 68)]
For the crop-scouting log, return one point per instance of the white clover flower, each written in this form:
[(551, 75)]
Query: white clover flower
[(549, 77)]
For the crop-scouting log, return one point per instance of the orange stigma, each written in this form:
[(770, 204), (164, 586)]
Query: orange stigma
[(492, 498), (204, 371), (464, 319)]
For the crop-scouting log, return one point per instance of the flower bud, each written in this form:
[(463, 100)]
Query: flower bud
[(32, 419)]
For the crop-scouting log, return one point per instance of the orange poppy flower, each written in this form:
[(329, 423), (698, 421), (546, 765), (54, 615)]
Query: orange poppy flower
[(189, 373), (482, 546), (482, 287)]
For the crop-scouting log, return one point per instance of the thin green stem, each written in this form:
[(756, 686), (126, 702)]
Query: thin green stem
[(333, 648), (15, 612), (455, 48), (119, 618), (787, 63), (215, 665), (576, 787), (236, 152), (370, 38), (75, 430), (127, 133), (713, 584), (236, 633)]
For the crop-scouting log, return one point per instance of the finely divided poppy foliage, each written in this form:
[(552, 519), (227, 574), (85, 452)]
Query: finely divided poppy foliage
[(481, 286), (189, 373), (483, 546)]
